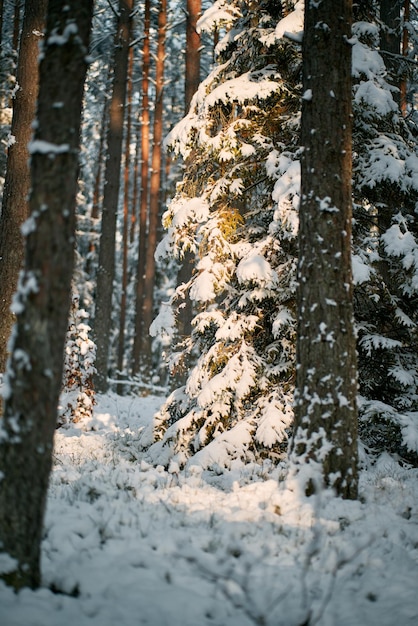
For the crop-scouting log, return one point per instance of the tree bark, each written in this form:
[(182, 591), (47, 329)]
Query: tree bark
[(390, 39), (143, 209), (325, 430), (155, 181), (184, 321), (125, 235), (34, 373), (16, 186), (106, 266)]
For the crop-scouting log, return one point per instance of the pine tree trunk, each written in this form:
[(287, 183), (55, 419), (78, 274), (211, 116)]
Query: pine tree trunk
[(155, 181), (125, 235), (106, 266), (390, 39), (35, 372), (16, 26), (143, 209), (404, 82), (16, 186), (325, 430), (184, 322)]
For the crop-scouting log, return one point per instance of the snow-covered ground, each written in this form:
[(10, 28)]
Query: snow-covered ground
[(127, 543)]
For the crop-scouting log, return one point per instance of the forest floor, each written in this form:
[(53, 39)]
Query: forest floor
[(127, 543)]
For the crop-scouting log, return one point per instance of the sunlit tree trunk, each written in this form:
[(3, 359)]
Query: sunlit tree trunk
[(106, 265), (324, 445), (16, 188), (34, 373), (143, 208), (155, 183)]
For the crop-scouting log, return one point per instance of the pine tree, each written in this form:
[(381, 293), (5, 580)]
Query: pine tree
[(236, 211)]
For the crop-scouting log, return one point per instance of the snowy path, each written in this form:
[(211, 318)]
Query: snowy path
[(136, 544)]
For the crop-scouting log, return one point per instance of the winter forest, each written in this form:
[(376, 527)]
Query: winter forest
[(208, 312)]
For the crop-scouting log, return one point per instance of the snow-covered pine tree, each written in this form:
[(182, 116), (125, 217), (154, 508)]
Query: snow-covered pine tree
[(235, 209), (385, 250), (227, 219), (77, 397)]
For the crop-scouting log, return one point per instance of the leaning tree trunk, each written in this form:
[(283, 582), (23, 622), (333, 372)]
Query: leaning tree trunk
[(106, 266), (34, 374), (16, 187), (325, 433)]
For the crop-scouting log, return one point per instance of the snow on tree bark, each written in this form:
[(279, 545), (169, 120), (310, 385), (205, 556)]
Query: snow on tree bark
[(34, 374), (325, 431)]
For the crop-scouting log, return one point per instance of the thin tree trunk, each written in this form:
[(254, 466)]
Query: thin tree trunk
[(97, 191), (192, 79), (1, 27), (35, 372), (390, 39), (16, 26), (106, 266), (324, 445), (404, 82), (134, 216), (17, 181), (155, 183), (125, 235), (143, 210)]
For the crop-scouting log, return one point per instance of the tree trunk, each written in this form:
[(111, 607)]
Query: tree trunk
[(192, 80), (16, 26), (16, 186), (143, 209), (106, 266), (35, 372), (125, 235), (154, 200), (325, 430), (184, 321), (390, 39), (404, 82)]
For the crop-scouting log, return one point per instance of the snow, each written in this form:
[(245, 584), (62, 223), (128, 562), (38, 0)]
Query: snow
[(46, 147), (130, 543)]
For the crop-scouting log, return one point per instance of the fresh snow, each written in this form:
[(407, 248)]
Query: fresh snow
[(139, 544)]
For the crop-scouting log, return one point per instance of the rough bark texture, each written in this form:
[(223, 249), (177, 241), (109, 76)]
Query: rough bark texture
[(16, 187), (106, 266), (325, 434), (155, 183), (143, 208), (33, 379)]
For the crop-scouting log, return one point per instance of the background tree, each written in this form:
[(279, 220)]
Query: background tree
[(106, 263), (154, 190), (35, 372), (16, 188)]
